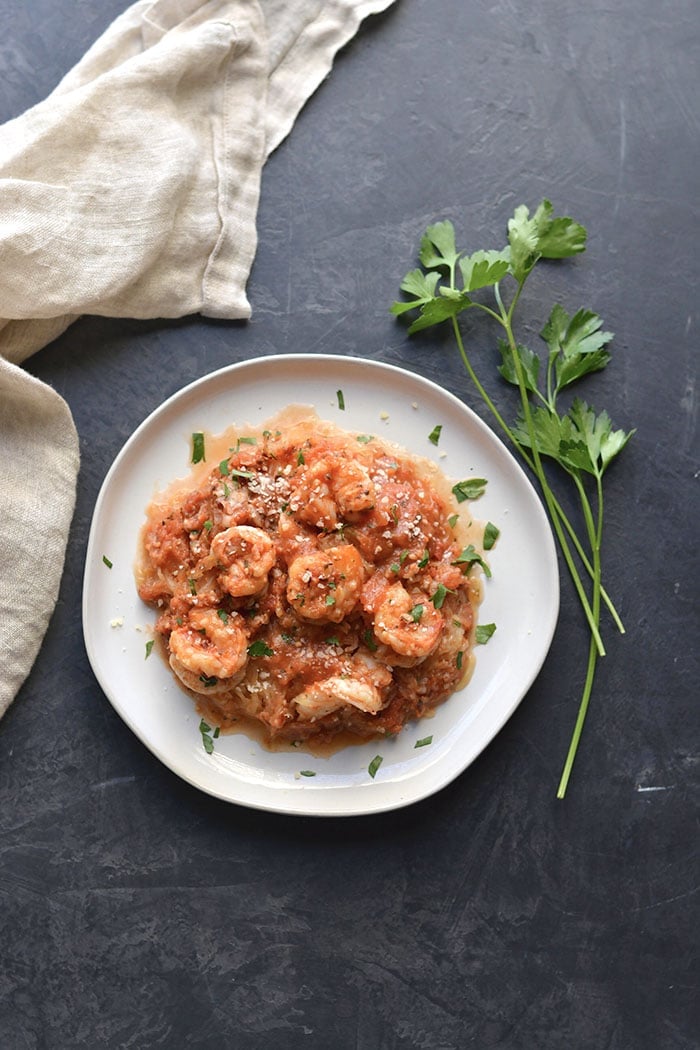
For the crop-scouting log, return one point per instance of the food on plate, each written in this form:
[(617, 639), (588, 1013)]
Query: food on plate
[(314, 581)]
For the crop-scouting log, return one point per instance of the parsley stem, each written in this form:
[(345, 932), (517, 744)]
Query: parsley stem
[(556, 510), (592, 651), (544, 484), (581, 718)]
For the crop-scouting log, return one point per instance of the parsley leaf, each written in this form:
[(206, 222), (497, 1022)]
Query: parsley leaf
[(198, 448), (483, 632)]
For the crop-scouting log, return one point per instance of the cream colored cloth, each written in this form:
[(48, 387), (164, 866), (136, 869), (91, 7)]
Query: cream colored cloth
[(132, 191)]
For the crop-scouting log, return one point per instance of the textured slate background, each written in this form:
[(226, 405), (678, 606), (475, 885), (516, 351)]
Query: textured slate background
[(137, 912)]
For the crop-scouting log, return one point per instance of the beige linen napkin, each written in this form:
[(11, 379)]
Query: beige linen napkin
[(132, 191)]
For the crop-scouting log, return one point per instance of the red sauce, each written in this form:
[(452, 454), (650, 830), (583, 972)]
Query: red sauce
[(307, 583)]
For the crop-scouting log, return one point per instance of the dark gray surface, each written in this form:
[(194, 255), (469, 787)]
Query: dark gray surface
[(138, 912)]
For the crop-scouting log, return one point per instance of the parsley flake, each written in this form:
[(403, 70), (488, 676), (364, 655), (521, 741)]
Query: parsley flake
[(483, 632), (491, 534), (341, 400), (106, 561), (149, 648), (423, 743), (198, 448), (374, 765), (472, 488), (260, 648), (434, 435)]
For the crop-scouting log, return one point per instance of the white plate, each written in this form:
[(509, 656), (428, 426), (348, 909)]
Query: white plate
[(521, 598)]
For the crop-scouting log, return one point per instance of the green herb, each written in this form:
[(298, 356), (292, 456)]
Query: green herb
[(368, 639), (307, 773), (224, 468), (223, 615), (441, 593), (207, 740), (333, 640), (341, 400), (434, 435), (491, 534), (300, 458), (458, 661), (580, 441), (483, 632), (468, 557), (416, 613), (208, 680), (374, 765), (106, 561), (424, 560), (364, 439), (244, 441), (470, 489), (288, 638), (423, 743), (259, 648), (198, 448), (452, 520), (192, 586), (330, 600), (149, 647), (208, 525)]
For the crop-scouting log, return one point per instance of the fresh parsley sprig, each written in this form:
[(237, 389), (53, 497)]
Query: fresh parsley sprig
[(580, 442)]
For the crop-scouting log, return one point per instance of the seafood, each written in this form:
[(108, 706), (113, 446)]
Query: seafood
[(331, 490), (210, 644), (326, 584), (408, 623), (247, 555)]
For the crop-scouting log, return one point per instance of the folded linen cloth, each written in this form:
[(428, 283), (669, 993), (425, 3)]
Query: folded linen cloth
[(132, 191)]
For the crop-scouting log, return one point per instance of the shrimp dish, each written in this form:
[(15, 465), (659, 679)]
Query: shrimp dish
[(312, 582)]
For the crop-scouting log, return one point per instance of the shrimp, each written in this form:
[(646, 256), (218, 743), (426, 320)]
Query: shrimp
[(325, 585), (207, 647), (332, 488), (247, 555), (322, 698), (409, 625)]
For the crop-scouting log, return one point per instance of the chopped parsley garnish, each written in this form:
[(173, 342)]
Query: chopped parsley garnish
[(300, 458), (259, 648), (307, 773), (224, 468), (364, 439), (208, 680), (288, 638), (416, 613), (341, 400), (198, 448), (434, 435), (469, 557), (441, 592), (452, 520), (491, 534), (424, 742), (106, 561), (458, 661), (207, 740), (472, 488), (149, 648), (425, 559), (330, 600), (245, 441), (208, 525), (368, 639), (223, 615), (483, 632), (192, 585), (374, 765)]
